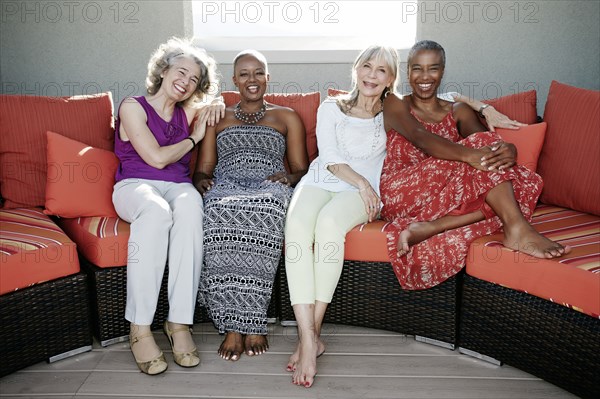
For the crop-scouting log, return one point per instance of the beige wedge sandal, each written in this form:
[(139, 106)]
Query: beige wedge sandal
[(184, 359)]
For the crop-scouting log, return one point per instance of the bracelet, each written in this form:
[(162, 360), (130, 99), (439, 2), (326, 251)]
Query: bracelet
[(480, 112), (193, 142)]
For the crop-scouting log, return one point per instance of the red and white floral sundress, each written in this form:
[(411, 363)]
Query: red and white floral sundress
[(416, 187)]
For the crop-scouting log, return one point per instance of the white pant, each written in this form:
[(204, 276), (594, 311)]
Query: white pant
[(315, 232), (166, 224)]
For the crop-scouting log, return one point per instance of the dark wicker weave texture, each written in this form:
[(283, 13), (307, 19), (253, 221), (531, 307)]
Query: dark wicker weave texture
[(551, 341), (43, 321), (108, 293), (369, 295)]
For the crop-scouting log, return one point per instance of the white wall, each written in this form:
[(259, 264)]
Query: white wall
[(63, 48)]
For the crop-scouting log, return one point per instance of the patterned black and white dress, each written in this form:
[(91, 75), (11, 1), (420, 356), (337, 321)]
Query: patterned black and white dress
[(244, 216)]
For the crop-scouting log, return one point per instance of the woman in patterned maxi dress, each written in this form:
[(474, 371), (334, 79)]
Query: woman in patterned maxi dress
[(442, 190), (246, 191)]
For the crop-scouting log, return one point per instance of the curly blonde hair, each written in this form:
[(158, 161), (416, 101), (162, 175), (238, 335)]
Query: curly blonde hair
[(163, 58)]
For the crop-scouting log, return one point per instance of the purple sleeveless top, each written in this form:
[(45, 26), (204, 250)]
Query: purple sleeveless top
[(131, 165)]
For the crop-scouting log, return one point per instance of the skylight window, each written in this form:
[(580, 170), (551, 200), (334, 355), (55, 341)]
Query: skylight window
[(303, 31)]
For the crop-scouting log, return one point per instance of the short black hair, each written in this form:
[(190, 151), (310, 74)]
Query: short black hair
[(427, 45)]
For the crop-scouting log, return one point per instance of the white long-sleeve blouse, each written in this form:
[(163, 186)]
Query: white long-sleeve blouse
[(343, 139)]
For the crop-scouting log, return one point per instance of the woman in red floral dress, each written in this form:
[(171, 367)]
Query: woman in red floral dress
[(445, 186)]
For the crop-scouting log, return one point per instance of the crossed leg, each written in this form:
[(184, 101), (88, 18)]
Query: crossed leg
[(420, 231), (518, 233)]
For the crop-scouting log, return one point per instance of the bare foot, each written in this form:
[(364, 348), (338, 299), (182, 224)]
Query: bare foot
[(256, 344), (526, 239), (291, 365), (293, 360), (232, 346), (306, 366), (414, 234)]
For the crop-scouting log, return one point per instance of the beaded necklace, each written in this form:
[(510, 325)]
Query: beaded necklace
[(249, 117)]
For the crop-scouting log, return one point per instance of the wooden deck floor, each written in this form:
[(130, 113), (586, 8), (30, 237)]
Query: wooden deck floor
[(358, 363)]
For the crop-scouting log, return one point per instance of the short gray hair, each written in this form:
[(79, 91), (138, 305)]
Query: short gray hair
[(426, 45)]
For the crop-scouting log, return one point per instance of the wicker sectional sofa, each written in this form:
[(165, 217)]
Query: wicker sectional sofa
[(489, 310), (543, 316)]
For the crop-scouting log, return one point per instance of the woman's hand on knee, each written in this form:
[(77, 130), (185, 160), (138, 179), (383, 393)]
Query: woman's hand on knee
[(280, 177), (204, 185), (371, 200), (476, 157), (502, 156)]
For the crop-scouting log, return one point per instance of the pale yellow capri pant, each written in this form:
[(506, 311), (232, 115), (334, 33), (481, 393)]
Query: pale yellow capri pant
[(320, 217)]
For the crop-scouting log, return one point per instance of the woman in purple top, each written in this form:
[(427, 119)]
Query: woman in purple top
[(155, 194)]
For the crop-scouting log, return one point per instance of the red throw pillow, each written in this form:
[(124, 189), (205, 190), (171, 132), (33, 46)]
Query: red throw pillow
[(23, 126), (569, 162), (520, 106), (80, 179), (528, 140), (305, 104)]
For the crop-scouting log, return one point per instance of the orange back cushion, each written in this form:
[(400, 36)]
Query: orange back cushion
[(570, 160), (331, 92), (519, 106), (25, 120), (305, 104)]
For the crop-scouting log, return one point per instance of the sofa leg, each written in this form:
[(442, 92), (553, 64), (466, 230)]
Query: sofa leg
[(70, 353), (435, 342), (115, 340), (480, 356)]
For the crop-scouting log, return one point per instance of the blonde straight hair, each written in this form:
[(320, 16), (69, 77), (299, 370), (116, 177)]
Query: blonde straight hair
[(388, 55)]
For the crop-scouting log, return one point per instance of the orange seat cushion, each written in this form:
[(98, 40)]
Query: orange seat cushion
[(572, 280), (305, 104), (23, 126), (103, 241), (570, 161), (367, 242), (33, 250)]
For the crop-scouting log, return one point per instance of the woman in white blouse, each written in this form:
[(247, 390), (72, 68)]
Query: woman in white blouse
[(340, 191)]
